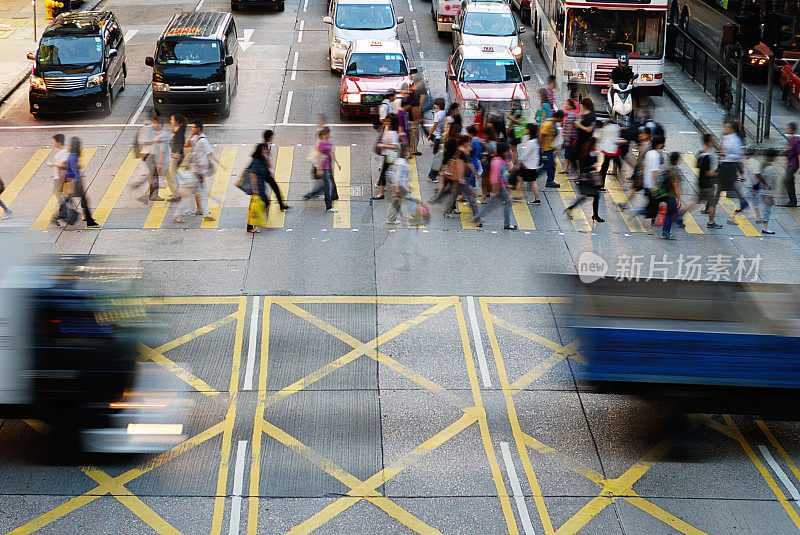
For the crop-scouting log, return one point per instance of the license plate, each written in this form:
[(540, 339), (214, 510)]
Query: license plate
[(372, 98)]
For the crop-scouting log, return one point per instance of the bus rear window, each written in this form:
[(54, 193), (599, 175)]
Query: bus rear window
[(607, 33)]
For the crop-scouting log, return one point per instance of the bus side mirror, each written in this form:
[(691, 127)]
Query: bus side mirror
[(228, 60), (112, 53), (30, 56), (401, 20), (149, 61), (526, 77)]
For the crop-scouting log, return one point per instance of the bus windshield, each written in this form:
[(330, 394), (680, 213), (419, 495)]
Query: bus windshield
[(603, 33), (490, 71)]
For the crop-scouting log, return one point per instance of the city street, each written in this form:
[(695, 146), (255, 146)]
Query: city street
[(352, 377)]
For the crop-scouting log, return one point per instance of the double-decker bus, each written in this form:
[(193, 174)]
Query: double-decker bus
[(581, 40)]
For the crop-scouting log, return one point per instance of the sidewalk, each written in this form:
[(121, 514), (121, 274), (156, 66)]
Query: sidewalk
[(17, 39)]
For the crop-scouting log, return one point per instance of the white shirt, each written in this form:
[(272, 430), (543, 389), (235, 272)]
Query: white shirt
[(144, 137), (399, 175), (732, 148), (652, 166), (60, 164), (609, 135), (752, 167), (530, 154), (438, 119), (390, 137), (201, 151)]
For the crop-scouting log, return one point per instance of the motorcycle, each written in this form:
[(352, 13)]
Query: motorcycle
[(620, 100)]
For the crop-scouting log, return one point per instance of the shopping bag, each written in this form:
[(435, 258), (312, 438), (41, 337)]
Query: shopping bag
[(257, 212), (244, 182)]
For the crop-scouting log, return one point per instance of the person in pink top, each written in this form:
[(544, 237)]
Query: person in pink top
[(325, 169), (498, 177)]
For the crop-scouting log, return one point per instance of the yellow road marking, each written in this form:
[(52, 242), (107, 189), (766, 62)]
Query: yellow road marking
[(634, 223), (255, 458), (21, 179), (283, 173), (342, 179), (114, 190), (46, 215), (216, 197), (567, 194), (782, 452), (365, 299), (180, 372), (413, 183), (158, 209), (230, 417), (466, 216), (691, 224), (739, 437), (522, 214), (132, 502), (79, 501), (190, 300)]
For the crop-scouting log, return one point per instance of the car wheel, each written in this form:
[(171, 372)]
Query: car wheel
[(122, 87), (234, 6), (107, 107)]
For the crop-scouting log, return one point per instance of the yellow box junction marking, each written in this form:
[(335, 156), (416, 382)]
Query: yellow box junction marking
[(366, 490), (216, 197), (21, 179), (611, 488), (342, 179), (114, 190), (46, 215), (115, 486), (283, 173), (567, 194), (742, 222)]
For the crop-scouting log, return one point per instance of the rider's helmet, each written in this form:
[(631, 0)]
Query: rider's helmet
[(623, 60)]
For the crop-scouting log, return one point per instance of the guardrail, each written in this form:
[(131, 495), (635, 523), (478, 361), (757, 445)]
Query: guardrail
[(708, 71)]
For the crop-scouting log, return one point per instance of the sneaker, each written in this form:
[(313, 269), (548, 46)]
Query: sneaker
[(392, 221), (434, 180), (332, 210), (680, 224), (188, 212), (174, 198), (768, 232), (450, 214), (155, 198), (759, 220), (286, 208), (378, 197), (552, 185), (8, 214), (667, 237), (711, 224), (477, 222), (536, 201), (511, 227), (518, 199)]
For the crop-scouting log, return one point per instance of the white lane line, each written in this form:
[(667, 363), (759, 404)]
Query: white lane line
[(294, 65), (688, 132), (199, 5), (416, 31), (410, 6), (251, 345), (142, 104), (476, 334), (305, 6), (129, 35), (300, 31), (519, 498), (288, 107), (421, 55), (238, 478), (781, 474)]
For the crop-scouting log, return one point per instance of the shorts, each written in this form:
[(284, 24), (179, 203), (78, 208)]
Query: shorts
[(514, 141), (707, 195), (528, 175)]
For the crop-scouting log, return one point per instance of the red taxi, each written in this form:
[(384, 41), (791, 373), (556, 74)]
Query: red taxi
[(790, 84), (373, 71), (487, 77)]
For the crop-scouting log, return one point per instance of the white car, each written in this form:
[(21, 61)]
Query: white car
[(351, 20), (488, 23)]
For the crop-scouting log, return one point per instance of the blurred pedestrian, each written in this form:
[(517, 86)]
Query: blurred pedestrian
[(731, 151), (517, 130), (447, 174), (610, 147), (706, 181), (498, 176), (325, 170), (177, 140), (389, 145), (585, 123), (154, 143), (489, 149), (460, 178), (769, 182), (7, 212), (569, 131), (547, 135), (435, 136), (637, 176), (588, 182), (398, 206), (672, 188), (552, 85), (322, 122), (792, 164), (200, 167), (59, 165), (545, 108), (259, 172), (529, 164), (74, 180)]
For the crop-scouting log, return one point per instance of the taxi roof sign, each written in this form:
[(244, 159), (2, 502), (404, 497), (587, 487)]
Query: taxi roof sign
[(375, 43), (488, 49)]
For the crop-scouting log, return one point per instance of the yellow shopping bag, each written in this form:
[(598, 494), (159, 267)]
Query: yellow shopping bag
[(257, 212)]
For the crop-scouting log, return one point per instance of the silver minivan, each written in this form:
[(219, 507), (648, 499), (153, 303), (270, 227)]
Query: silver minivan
[(358, 19)]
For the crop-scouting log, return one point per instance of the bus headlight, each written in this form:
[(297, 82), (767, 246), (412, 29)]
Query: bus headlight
[(353, 98)]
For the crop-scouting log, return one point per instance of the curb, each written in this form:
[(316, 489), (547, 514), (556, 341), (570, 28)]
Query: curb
[(698, 123), (23, 75)]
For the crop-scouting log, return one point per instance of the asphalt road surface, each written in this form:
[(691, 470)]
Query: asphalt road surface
[(348, 377)]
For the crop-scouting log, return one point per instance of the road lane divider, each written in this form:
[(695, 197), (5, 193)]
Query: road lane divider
[(476, 334), (238, 480), (522, 214), (251, 345), (114, 190), (341, 219), (21, 179), (780, 473), (216, 197), (283, 173), (516, 489), (46, 215)]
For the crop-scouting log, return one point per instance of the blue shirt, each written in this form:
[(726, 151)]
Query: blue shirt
[(73, 167), (476, 152)]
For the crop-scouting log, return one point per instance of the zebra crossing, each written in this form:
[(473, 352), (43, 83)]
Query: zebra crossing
[(113, 171)]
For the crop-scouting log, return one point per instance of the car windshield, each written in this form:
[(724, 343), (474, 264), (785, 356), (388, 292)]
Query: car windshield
[(607, 33), (189, 51), (490, 24), (490, 70), (70, 50), (377, 65), (364, 16)]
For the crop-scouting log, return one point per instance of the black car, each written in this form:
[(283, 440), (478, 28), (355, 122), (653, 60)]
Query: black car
[(195, 65), (80, 64)]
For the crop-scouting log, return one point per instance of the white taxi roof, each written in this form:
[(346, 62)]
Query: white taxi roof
[(392, 46), (488, 7), (485, 52), (364, 2)]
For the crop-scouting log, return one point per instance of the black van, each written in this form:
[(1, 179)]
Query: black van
[(195, 65), (79, 65)]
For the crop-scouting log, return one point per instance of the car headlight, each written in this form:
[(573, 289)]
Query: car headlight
[(94, 81), (353, 98), (647, 78), (341, 44), (37, 83), (517, 50), (160, 86), (216, 86)]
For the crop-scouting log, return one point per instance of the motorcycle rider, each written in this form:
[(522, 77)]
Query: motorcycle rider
[(622, 74)]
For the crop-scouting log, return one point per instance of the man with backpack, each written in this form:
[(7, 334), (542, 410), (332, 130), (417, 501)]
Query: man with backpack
[(547, 135)]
